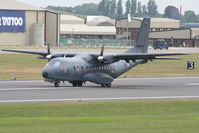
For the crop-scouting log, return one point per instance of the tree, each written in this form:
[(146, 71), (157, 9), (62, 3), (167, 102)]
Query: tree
[(102, 7), (139, 9), (152, 8), (113, 9), (107, 8), (190, 16), (119, 9), (85, 9), (128, 7), (172, 12), (59, 8), (133, 7), (144, 11)]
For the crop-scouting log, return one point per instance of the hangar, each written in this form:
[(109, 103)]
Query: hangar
[(161, 28), (74, 29), (24, 24), (76, 26)]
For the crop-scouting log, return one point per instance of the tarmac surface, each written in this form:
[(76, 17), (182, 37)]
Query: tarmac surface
[(122, 89)]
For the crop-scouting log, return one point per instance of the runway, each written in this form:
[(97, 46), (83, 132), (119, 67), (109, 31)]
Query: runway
[(123, 89)]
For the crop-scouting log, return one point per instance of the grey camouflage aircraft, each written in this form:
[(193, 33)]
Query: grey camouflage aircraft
[(100, 68)]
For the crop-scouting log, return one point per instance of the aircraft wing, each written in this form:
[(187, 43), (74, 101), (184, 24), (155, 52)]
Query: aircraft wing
[(26, 52), (45, 55), (108, 59), (147, 56)]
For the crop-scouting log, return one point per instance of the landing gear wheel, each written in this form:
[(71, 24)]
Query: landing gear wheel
[(77, 84), (102, 85), (106, 85), (80, 84), (56, 84), (74, 84)]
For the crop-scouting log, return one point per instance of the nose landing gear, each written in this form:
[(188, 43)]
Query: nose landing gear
[(56, 83)]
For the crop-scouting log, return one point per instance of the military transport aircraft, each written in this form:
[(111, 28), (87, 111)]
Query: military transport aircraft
[(100, 68)]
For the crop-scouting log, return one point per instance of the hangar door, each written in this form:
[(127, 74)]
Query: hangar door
[(52, 28)]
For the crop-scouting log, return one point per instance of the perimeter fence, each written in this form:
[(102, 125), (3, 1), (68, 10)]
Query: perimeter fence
[(96, 42)]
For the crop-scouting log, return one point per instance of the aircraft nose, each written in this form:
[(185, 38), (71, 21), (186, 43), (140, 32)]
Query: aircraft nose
[(45, 74)]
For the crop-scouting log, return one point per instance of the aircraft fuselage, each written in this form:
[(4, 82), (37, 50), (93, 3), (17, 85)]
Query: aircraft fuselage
[(81, 69)]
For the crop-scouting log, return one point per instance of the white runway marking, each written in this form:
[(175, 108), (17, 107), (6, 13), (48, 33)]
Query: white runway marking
[(98, 99), (23, 89), (21, 81), (123, 79), (193, 84)]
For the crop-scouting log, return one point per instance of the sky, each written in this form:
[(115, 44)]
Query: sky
[(186, 4)]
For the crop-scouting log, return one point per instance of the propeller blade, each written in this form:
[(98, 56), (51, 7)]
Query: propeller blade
[(102, 51), (48, 50)]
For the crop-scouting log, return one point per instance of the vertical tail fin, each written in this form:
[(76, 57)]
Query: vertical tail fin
[(141, 45)]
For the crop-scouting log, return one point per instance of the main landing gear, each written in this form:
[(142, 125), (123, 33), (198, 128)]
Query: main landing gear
[(80, 84), (77, 84), (106, 85)]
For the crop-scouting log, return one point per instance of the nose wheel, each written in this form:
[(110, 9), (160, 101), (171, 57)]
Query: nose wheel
[(56, 84)]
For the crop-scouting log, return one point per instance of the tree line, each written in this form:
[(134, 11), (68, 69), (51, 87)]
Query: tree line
[(115, 10)]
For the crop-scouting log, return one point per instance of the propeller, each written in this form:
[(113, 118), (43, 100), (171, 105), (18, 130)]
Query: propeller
[(48, 45), (102, 51), (101, 57), (48, 56)]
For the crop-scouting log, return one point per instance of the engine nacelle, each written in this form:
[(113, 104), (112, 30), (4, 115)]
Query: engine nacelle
[(107, 59), (100, 59)]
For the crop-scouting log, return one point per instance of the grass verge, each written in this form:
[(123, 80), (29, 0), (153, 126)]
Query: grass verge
[(24, 66), (153, 116)]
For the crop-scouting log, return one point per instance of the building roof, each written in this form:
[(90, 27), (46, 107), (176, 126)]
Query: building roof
[(100, 21), (160, 19), (155, 23), (71, 19), (16, 5), (87, 30)]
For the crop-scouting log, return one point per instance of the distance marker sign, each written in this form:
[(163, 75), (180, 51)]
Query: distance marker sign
[(190, 65)]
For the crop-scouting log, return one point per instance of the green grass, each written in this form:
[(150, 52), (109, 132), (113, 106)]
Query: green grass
[(153, 116), (166, 68), (24, 66), (20, 66)]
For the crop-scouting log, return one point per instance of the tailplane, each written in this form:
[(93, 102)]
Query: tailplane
[(141, 45)]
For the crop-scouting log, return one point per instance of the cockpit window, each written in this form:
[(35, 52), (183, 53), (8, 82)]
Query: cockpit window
[(57, 64), (54, 63)]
